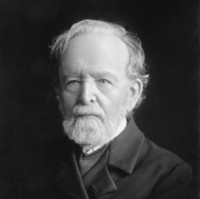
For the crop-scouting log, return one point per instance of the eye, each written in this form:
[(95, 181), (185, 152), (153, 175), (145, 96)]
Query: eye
[(72, 84), (104, 81)]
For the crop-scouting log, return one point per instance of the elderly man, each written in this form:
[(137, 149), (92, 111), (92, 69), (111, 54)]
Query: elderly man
[(101, 152), (101, 78)]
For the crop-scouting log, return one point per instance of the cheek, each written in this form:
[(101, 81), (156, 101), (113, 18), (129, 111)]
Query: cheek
[(68, 102), (115, 101)]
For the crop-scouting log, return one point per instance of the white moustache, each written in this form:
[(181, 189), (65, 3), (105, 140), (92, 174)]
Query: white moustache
[(81, 111)]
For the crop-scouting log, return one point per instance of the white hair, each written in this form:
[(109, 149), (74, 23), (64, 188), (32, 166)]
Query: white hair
[(136, 68)]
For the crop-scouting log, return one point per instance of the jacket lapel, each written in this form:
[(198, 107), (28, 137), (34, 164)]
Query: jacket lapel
[(69, 179), (123, 154), (102, 182), (127, 149)]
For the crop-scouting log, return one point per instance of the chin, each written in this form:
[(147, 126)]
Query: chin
[(88, 131)]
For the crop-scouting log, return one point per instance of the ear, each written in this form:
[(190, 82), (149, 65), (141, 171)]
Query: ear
[(59, 99), (136, 89), (57, 93)]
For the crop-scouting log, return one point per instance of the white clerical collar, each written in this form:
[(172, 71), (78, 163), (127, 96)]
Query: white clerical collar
[(119, 130)]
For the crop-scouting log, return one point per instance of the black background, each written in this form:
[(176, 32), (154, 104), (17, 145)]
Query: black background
[(169, 33)]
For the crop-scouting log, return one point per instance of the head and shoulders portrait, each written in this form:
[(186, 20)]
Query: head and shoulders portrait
[(93, 138)]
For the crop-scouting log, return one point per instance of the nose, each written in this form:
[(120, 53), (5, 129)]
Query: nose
[(87, 93)]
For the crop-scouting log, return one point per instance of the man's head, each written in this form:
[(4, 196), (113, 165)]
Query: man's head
[(101, 79)]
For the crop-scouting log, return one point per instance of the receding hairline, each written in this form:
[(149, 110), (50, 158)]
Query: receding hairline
[(92, 30), (114, 42)]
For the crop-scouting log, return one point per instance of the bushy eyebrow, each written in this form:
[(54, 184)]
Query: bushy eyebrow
[(95, 75), (70, 75), (104, 74)]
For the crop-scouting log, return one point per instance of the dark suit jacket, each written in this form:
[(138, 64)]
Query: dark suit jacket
[(131, 168)]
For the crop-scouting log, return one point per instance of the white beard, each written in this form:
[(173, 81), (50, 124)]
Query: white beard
[(89, 127)]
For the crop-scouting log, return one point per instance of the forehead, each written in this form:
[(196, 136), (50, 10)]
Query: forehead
[(95, 50)]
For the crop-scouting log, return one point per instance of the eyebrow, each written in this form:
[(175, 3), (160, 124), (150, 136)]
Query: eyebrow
[(104, 74), (68, 75), (95, 74)]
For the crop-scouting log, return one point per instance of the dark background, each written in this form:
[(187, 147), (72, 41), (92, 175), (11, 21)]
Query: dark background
[(169, 33)]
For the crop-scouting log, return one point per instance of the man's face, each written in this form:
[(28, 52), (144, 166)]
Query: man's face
[(94, 89)]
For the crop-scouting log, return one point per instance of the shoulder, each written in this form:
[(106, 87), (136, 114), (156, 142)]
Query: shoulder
[(169, 175), (161, 157), (146, 170)]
